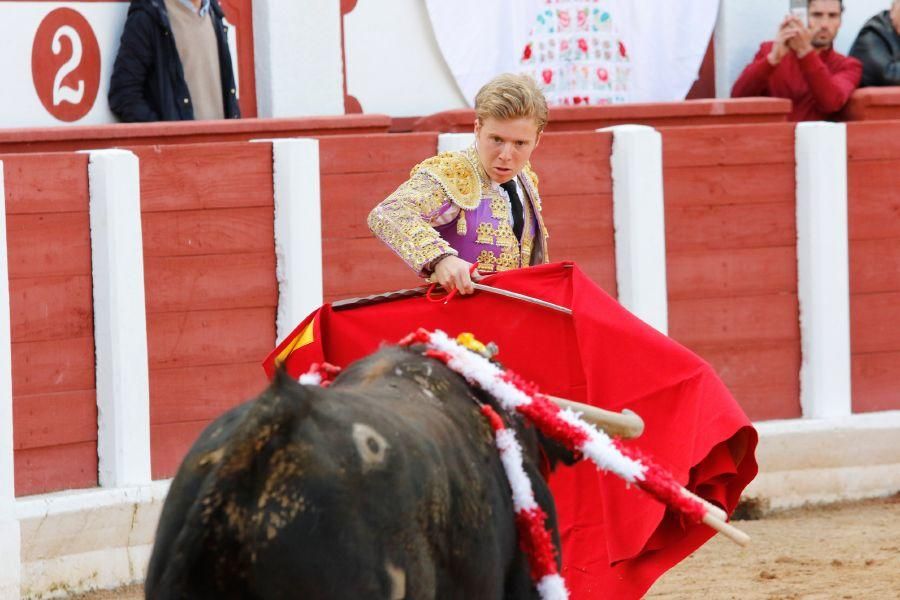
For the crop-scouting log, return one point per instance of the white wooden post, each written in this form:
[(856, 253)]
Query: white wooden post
[(823, 269), (10, 540), (120, 323), (455, 141), (639, 219), (298, 230)]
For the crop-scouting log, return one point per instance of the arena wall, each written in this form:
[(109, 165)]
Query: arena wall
[(732, 260), (51, 307), (209, 275), (210, 264), (874, 233)]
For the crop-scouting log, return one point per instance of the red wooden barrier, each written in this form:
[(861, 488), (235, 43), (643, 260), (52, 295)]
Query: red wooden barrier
[(873, 173), (656, 114), (51, 311), (209, 273), (576, 190), (357, 174), (873, 104), (731, 257), (92, 137)]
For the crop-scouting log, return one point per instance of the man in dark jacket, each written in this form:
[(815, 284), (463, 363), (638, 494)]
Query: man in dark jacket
[(878, 48), (173, 63)]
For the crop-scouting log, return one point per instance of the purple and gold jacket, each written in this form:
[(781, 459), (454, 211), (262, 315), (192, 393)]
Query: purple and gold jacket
[(411, 221)]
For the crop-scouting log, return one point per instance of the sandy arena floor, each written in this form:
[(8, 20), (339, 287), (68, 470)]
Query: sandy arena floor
[(843, 551)]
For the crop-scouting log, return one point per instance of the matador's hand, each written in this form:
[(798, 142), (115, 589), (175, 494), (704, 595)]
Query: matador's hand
[(452, 273)]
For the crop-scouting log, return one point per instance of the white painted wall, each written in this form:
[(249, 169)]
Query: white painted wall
[(744, 25), (297, 50), (19, 103), (394, 65)]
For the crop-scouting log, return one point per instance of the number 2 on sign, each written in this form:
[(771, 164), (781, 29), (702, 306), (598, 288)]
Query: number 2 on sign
[(63, 93)]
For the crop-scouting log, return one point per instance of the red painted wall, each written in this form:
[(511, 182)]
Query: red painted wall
[(731, 258), (873, 174), (51, 306), (357, 173), (209, 277), (576, 191)]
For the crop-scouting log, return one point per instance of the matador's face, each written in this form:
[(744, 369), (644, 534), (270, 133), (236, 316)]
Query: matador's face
[(504, 146)]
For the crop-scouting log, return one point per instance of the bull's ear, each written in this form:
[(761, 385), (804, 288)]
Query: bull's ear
[(282, 379)]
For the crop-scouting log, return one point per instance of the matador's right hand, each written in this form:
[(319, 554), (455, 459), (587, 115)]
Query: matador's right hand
[(452, 273)]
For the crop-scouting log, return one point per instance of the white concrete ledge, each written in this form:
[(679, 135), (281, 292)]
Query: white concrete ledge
[(120, 323), (85, 540), (827, 460), (823, 288), (9, 525), (639, 219)]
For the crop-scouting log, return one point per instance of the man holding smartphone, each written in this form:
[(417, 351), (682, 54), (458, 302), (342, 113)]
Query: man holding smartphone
[(801, 65)]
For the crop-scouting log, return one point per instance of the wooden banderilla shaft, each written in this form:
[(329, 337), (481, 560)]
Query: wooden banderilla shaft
[(626, 424)]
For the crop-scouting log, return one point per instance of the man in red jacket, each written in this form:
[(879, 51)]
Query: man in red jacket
[(801, 65)]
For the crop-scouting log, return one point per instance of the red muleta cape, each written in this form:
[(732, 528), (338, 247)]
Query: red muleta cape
[(615, 541)]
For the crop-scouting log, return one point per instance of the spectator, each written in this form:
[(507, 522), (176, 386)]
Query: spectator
[(801, 65), (173, 63), (877, 47)]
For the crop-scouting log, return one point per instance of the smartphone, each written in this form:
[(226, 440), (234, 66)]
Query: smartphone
[(798, 9)]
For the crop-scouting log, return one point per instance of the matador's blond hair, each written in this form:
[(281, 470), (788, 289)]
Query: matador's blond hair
[(510, 96)]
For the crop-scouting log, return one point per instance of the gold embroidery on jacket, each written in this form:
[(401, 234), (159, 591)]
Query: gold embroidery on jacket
[(457, 177), (485, 233), (506, 238), (499, 207), (507, 260), (461, 228)]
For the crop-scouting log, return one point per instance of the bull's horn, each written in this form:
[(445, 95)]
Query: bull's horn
[(626, 424)]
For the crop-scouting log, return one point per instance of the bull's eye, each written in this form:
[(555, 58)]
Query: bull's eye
[(371, 446)]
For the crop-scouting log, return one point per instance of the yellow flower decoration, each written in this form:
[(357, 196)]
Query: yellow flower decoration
[(467, 340)]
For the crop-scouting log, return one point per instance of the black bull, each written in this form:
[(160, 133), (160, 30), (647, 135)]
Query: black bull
[(385, 485)]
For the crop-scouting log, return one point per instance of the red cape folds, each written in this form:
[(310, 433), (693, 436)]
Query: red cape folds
[(616, 541)]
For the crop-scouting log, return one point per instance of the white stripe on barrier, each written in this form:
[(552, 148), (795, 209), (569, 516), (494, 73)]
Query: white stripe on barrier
[(298, 230), (823, 269), (10, 543), (120, 323), (639, 217)]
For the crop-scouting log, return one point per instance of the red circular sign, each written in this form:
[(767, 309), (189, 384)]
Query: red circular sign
[(65, 64)]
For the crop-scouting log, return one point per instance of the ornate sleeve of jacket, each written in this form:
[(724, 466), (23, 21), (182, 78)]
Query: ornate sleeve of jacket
[(436, 191)]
